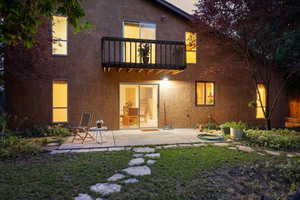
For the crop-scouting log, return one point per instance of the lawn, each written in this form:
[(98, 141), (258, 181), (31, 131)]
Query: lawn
[(183, 173)]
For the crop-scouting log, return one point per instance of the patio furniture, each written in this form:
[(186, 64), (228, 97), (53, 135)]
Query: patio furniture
[(99, 131), (83, 128)]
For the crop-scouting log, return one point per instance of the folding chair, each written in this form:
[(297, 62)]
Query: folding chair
[(83, 127)]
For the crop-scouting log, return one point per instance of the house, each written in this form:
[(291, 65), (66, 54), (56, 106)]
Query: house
[(142, 65)]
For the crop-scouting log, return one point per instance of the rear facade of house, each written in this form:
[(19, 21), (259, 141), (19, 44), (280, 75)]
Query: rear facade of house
[(140, 65)]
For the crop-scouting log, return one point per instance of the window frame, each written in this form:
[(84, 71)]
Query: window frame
[(261, 106), (186, 51), (52, 106), (52, 38), (196, 93)]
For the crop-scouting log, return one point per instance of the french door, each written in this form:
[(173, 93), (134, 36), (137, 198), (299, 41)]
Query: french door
[(138, 106)]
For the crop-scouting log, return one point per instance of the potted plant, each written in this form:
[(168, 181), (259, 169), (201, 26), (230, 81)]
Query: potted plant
[(99, 123), (144, 51), (237, 130), (225, 128)]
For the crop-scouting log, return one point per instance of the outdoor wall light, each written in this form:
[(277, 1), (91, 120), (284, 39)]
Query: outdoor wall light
[(165, 79)]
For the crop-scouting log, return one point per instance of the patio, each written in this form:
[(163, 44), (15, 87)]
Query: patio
[(121, 138)]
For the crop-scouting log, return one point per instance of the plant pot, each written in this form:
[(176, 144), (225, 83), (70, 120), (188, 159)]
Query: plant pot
[(145, 60), (236, 133), (99, 125), (225, 131)]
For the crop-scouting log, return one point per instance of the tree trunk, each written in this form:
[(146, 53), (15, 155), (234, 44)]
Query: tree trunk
[(268, 124)]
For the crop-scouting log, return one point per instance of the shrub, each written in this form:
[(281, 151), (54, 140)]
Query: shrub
[(38, 131), (58, 131), (12, 147), (280, 139), (237, 125), (210, 126)]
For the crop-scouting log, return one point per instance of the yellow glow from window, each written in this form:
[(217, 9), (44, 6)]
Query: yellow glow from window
[(210, 94), (262, 93), (60, 101), (191, 47), (200, 93), (59, 35)]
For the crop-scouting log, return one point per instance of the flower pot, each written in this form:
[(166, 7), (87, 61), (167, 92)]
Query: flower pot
[(236, 133), (225, 130), (145, 60)]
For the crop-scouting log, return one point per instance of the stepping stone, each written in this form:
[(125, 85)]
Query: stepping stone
[(83, 197), (158, 147), (232, 148), (245, 149), (128, 148), (185, 145), (138, 155), (116, 177), (98, 149), (138, 170), (131, 180), (144, 150), (153, 155), (136, 161), (273, 153), (297, 154), (261, 154), (116, 149), (170, 146), (80, 150), (150, 162), (221, 144), (290, 155), (105, 188)]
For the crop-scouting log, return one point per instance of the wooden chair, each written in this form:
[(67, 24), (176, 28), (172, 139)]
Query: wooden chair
[(83, 127)]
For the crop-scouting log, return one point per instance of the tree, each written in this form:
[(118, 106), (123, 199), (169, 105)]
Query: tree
[(20, 18), (266, 33)]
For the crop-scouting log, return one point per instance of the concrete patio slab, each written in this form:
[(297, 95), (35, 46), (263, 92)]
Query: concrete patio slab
[(130, 138)]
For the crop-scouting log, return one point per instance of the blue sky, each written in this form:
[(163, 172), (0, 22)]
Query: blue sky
[(187, 5)]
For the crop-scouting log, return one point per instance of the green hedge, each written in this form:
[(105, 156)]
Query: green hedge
[(278, 139)]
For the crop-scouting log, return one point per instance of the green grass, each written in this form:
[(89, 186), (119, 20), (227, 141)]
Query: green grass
[(178, 174)]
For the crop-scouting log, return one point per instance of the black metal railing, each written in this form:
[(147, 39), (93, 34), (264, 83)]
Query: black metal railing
[(139, 53)]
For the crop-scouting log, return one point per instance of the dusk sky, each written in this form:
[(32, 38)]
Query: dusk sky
[(187, 5)]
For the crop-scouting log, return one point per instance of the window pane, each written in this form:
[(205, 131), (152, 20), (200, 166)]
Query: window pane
[(262, 92), (59, 48), (131, 30), (200, 93), (59, 28), (191, 57), (60, 94), (210, 93), (191, 41), (60, 115)]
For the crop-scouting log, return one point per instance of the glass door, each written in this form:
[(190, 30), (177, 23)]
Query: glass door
[(138, 106)]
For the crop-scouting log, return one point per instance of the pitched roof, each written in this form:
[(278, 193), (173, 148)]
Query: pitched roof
[(174, 8)]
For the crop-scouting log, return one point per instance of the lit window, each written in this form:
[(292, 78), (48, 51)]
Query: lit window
[(60, 101), (191, 47), (261, 105), (59, 35), (205, 93)]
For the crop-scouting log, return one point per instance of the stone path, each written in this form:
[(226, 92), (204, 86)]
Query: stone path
[(138, 166), (144, 157)]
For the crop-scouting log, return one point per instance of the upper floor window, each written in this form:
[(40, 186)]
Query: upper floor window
[(261, 105), (205, 93), (191, 47), (138, 30), (59, 35)]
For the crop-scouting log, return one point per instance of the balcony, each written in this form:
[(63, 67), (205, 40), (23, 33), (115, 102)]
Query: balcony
[(143, 55)]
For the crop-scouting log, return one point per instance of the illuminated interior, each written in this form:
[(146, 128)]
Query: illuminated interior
[(136, 30), (59, 35), (138, 106), (191, 47), (205, 93), (261, 104), (60, 101)]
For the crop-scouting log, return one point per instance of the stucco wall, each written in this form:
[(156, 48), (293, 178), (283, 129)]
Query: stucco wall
[(92, 89)]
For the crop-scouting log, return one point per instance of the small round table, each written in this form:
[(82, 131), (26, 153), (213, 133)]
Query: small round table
[(98, 131)]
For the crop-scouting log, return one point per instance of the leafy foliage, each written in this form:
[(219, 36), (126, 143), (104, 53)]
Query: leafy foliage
[(278, 139), (237, 125), (20, 18)]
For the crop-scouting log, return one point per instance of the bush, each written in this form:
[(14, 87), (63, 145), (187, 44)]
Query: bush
[(237, 125), (279, 139), (38, 131), (12, 147), (210, 126)]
